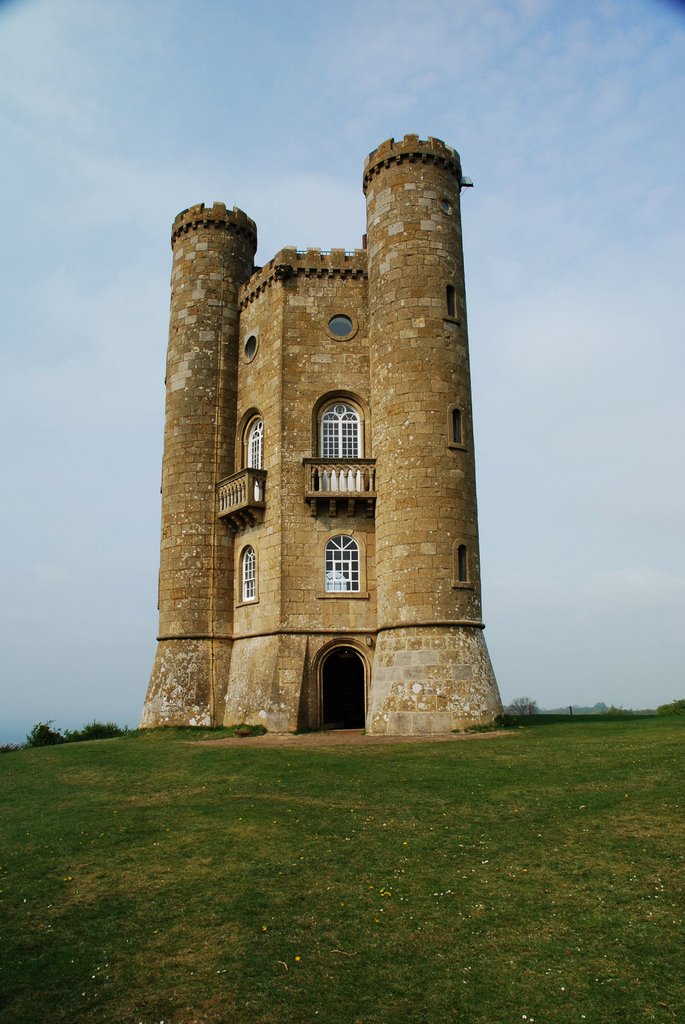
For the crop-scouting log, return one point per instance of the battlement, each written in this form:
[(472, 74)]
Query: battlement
[(411, 148), (217, 215), (290, 262)]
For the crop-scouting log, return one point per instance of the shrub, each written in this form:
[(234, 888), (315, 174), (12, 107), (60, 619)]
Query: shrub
[(676, 707), (247, 730), (506, 721), (94, 731), (43, 735), (7, 748)]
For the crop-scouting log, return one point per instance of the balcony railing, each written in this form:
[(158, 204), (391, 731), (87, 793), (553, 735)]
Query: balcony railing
[(242, 498), (352, 481)]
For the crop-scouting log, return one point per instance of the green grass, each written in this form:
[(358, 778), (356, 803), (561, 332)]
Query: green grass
[(154, 879)]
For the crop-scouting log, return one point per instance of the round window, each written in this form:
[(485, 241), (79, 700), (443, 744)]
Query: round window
[(445, 206), (250, 347), (341, 326)]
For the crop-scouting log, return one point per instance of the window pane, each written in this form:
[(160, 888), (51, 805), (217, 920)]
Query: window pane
[(456, 425), (249, 575), (342, 564), (255, 445), (340, 432), (340, 325), (329, 446)]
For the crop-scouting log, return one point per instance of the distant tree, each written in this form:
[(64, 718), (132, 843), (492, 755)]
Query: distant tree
[(523, 706), (676, 707), (43, 735)]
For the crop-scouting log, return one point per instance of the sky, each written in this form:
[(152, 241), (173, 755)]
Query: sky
[(568, 118)]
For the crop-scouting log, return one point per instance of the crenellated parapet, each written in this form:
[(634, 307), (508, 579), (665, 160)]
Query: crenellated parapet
[(217, 215), (291, 262), (411, 149)]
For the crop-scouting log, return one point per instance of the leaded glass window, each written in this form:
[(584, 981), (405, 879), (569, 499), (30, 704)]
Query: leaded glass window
[(340, 432), (249, 574), (255, 445)]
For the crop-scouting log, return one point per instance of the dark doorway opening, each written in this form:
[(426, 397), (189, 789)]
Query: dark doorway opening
[(343, 690)]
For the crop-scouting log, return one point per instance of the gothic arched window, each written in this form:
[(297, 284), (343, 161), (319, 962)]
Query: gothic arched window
[(340, 432), (249, 574), (255, 445)]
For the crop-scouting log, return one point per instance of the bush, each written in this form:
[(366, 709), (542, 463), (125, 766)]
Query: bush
[(506, 721), (245, 730), (676, 707), (7, 748), (94, 731), (43, 735)]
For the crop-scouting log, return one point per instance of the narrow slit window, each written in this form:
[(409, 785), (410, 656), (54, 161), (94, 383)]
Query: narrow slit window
[(462, 564), (456, 426), (451, 300)]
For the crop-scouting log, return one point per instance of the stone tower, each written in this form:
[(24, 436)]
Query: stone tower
[(213, 253), (320, 563), (430, 640)]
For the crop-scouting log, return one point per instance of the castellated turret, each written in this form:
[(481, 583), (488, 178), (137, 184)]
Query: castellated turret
[(320, 563), (431, 667), (213, 253)]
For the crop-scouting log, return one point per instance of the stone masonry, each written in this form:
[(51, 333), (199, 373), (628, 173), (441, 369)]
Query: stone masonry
[(319, 559)]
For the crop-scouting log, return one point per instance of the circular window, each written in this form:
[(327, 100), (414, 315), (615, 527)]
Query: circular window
[(250, 347), (445, 206), (340, 325)]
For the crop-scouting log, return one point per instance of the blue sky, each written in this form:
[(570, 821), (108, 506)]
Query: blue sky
[(568, 117)]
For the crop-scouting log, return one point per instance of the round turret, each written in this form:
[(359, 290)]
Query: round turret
[(213, 253), (421, 387), (427, 557)]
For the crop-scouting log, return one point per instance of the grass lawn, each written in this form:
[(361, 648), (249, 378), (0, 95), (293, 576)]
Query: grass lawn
[(537, 877)]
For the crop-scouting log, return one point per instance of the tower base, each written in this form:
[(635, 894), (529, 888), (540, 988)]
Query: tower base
[(431, 679), (268, 674), (184, 683)]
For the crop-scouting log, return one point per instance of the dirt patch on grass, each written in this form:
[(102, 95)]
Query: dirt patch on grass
[(346, 737)]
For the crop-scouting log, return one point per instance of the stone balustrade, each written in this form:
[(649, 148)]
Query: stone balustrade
[(242, 498), (329, 481)]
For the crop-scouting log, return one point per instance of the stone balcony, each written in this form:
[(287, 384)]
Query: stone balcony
[(241, 498), (345, 484)]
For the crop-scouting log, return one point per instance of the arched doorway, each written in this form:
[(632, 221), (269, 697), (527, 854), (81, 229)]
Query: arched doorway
[(343, 704)]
